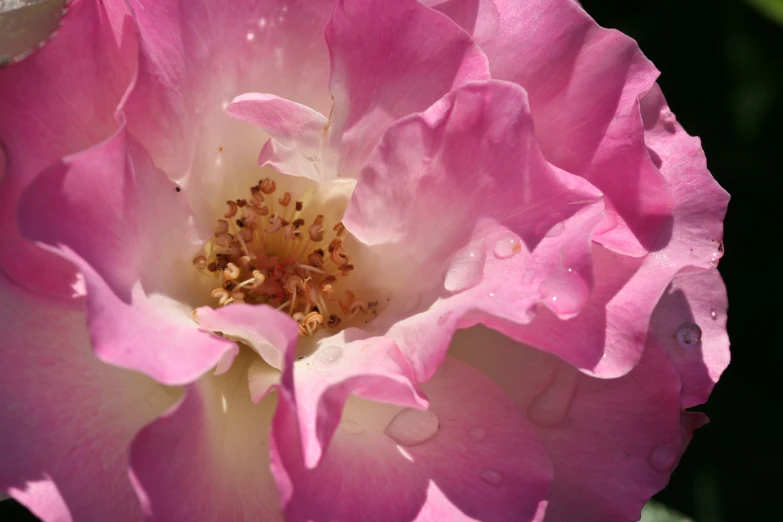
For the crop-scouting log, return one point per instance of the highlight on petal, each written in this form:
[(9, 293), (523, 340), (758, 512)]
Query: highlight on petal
[(479, 182), (208, 458), (121, 221), (298, 144), (67, 418), (584, 83), (56, 102), (481, 462), (389, 60), (272, 334), (198, 56)]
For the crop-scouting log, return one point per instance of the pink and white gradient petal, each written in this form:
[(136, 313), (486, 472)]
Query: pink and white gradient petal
[(390, 59), (584, 83), (613, 442), (298, 135), (198, 56), (208, 458), (130, 235), (484, 462), (68, 418), (58, 101), (444, 190)]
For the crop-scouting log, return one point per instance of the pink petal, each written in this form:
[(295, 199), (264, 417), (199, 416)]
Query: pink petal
[(690, 322), (479, 179), (129, 234), (58, 101), (484, 462), (347, 363), (269, 332), (196, 58), (584, 83), (67, 418), (614, 442), (207, 458), (298, 134), (390, 59)]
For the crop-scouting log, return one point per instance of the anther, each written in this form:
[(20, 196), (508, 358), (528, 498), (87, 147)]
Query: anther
[(298, 222), (222, 227), (316, 229), (221, 294), (200, 262), (256, 193), (241, 203), (231, 271), (275, 222), (339, 229), (334, 321), (346, 269), (267, 185), (285, 200), (232, 209), (299, 206)]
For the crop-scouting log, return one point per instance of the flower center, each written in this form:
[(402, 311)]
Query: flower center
[(273, 249)]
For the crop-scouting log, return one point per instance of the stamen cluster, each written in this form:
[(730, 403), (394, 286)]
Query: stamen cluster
[(265, 252)]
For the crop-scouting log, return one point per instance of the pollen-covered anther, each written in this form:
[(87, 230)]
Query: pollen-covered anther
[(267, 185), (200, 262), (231, 271), (232, 209), (252, 263), (275, 222), (316, 229), (222, 227)]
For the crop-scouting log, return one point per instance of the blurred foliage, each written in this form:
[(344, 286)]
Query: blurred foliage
[(657, 512), (772, 8)]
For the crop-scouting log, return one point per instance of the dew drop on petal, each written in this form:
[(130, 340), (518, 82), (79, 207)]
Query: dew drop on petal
[(477, 433), (713, 313), (688, 335), (663, 457), (327, 356), (491, 476), (351, 427), (466, 268), (565, 291), (507, 246), (411, 427)]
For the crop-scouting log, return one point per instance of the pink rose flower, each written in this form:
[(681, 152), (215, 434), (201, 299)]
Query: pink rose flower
[(353, 260)]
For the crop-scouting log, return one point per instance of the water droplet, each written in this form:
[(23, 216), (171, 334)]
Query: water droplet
[(508, 245), (491, 476), (565, 291), (477, 433), (262, 23), (466, 268), (664, 457), (713, 313), (528, 277), (327, 356), (250, 36), (351, 427), (411, 427), (551, 406), (688, 335)]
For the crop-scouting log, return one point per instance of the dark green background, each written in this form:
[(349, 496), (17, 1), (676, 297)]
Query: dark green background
[(722, 73)]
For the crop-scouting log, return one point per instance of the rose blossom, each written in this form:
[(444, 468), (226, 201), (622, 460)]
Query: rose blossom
[(353, 260)]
